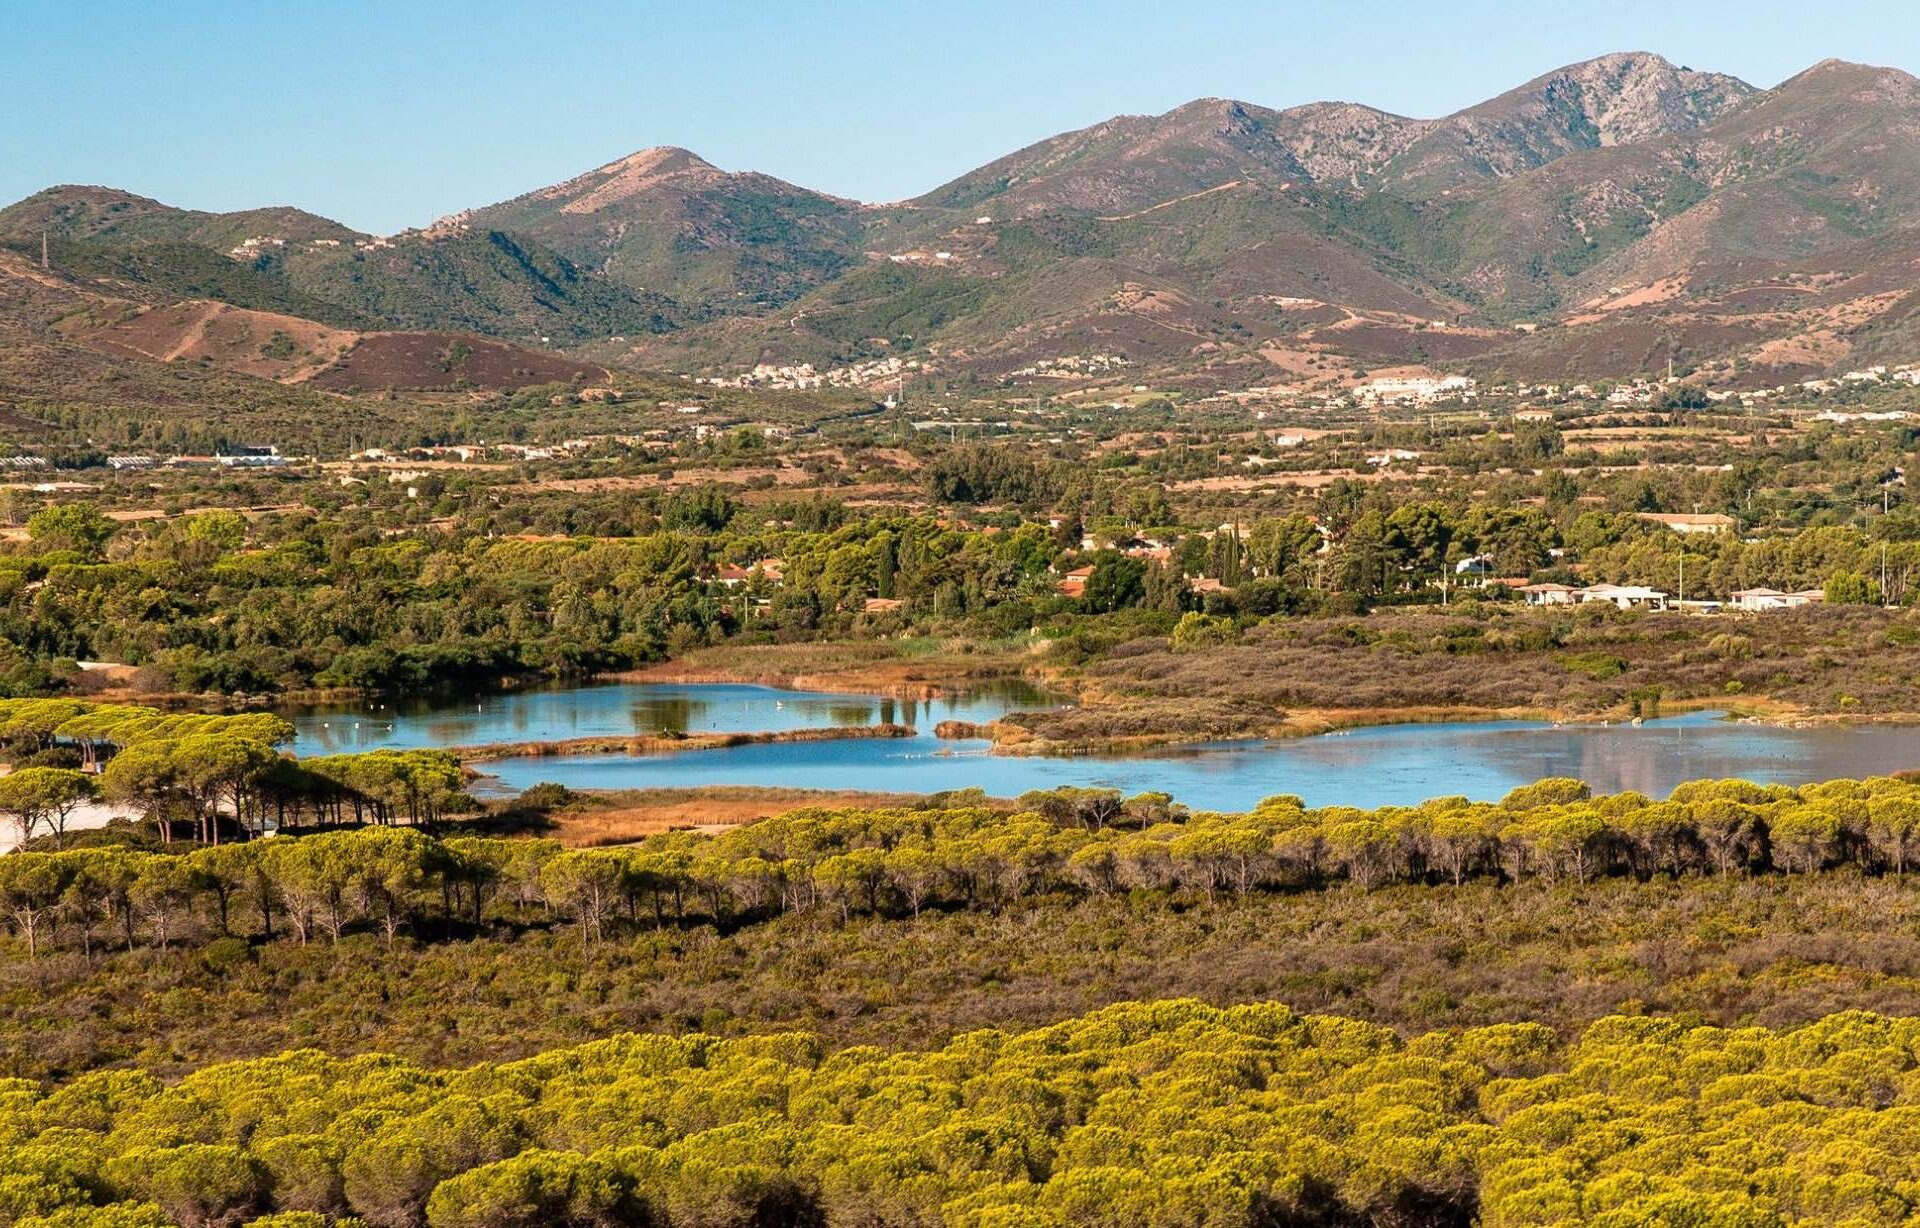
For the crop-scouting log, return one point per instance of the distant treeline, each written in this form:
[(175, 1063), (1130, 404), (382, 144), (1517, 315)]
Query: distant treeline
[(215, 602), (899, 862)]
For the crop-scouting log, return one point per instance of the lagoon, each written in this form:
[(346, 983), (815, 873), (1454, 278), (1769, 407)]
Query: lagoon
[(1391, 765), (621, 709)]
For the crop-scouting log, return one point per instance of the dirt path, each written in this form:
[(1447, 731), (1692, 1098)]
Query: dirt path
[(191, 335), (1137, 314), (1167, 204)]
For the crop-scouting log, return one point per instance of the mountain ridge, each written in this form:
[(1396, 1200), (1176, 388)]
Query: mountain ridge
[(1619, 193), (666, 220)]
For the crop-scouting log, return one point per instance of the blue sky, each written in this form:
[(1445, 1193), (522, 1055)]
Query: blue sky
[(386, 115)]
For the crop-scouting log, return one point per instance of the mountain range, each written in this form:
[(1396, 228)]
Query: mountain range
[(1599, 221)]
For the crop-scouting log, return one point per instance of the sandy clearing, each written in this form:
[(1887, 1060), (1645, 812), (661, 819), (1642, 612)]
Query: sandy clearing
[(710, 810)]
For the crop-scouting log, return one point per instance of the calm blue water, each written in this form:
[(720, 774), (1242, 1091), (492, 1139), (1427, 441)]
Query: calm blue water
[(1397, 765), (625, 708)]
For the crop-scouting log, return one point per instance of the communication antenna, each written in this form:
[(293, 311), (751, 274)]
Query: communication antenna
[(43, 251)]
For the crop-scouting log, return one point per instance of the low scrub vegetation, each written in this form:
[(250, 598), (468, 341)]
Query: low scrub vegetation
[(1586, 661)]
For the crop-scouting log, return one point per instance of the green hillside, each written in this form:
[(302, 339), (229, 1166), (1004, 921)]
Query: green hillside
[(487, 282), (167, 270)]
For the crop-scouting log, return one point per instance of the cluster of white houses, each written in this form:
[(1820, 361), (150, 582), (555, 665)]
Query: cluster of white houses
[(1639, 597), (239, 456)]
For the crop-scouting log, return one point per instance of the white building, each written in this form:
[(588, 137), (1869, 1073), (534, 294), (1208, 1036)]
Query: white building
[(1380, 460), (1413, 390), (1549, 594), (1691, 522), (1478, 565), (1774, 599), (1626, 596)]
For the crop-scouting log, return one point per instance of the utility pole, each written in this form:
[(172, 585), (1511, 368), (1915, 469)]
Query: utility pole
[(43, 251), (1683, 576)]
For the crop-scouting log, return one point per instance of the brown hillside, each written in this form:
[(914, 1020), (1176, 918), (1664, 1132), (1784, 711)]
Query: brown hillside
[(264, 344), (427, 361)]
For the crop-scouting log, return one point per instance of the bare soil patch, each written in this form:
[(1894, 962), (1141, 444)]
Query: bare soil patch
[(634, 814), (422, 361)]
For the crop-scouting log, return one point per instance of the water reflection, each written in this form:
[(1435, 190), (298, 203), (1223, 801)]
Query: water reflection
[(1399, 765), (667, 714), (629, 708)]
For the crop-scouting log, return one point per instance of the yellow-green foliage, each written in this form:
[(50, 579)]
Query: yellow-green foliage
[(1169, 1113), (894, 862)]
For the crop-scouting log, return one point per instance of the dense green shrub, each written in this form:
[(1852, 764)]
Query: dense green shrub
[(1165, 1113)]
